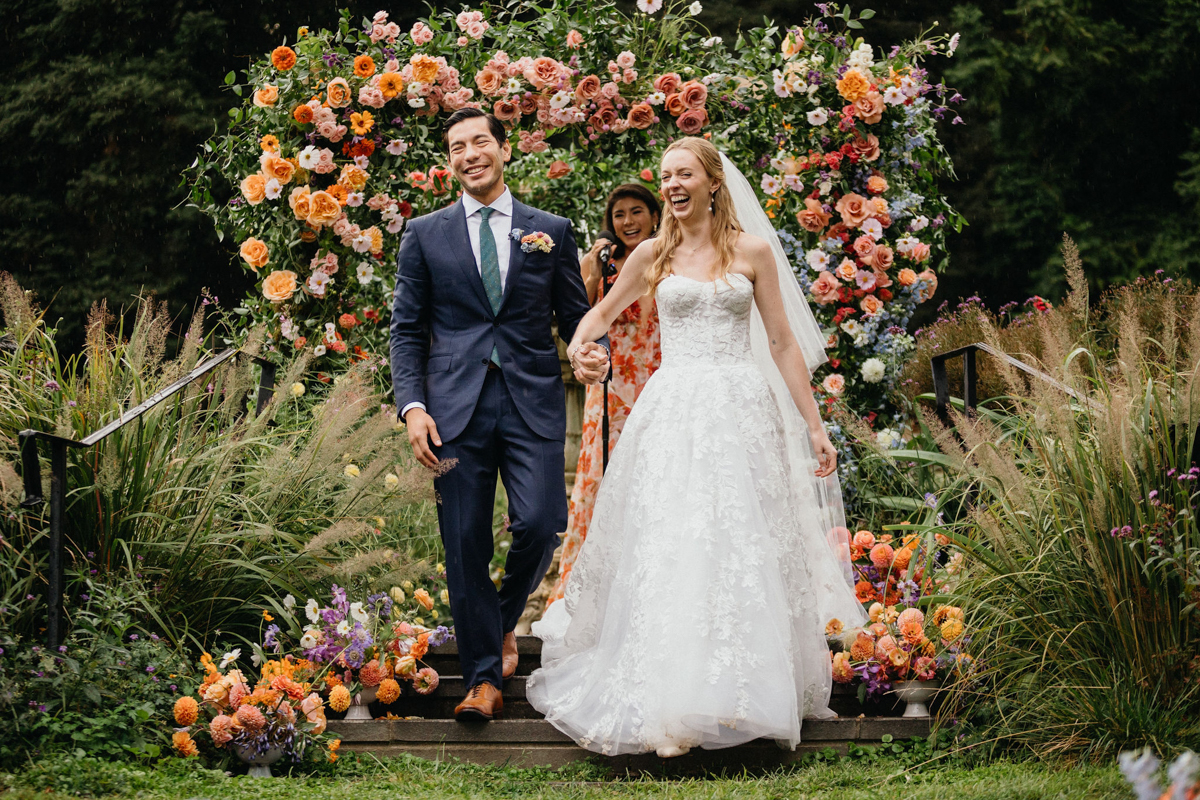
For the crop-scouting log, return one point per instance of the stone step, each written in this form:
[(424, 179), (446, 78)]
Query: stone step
[(530, 742)]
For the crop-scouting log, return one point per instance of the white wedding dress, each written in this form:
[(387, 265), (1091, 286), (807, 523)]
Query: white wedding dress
[(695, 613)]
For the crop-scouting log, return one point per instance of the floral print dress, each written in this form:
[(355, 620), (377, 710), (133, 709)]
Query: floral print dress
[(635, 355)]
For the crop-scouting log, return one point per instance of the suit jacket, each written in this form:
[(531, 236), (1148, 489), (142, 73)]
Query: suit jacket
[(443, 328)]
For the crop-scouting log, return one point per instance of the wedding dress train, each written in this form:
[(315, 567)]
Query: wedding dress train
[(696, 611)]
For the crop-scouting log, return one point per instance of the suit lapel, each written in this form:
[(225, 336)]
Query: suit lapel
[(523, 219), (458, 241)]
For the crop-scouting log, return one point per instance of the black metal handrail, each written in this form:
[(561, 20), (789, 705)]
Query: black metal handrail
[(31, 467), (941, 384)]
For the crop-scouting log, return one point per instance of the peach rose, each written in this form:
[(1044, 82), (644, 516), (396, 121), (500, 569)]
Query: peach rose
[(871, 305), (869, 107), (834, 384), (324, 209), (574, 39), (558, 169), (694, 94), (489, 81), (884, 257), (877, 184), (254, 188), (588, 88), (544, 71), (906, 277), (278, 168), (853, 208), (877, 207), (930, 277), (338, 92), (641, 116), (864, 249), (667, 83), (266, 96), (674, 104), (813, 218), (853, 85), (506, 110), (692, 121), (919, 252), (846, 270), (882, 281), (864, 539), (280, 285), (825, 288), (255, 253), (868, 148), (301, 202), (793, 43)]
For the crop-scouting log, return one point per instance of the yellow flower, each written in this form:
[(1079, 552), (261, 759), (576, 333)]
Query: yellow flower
[(419, 621), (361, 123), (380, 522), (351, 471), (439, 568), (301, 32), (407, 586), (951, 629), (834, 627), (391, 481), (297, 389), (444, 596), (397, 595), (339, 698)]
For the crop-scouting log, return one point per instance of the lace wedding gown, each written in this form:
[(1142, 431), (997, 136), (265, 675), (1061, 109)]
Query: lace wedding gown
[(694, 614)]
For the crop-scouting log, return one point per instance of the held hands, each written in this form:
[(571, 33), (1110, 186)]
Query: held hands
[(421, 431), (825, 452), (590, 362)]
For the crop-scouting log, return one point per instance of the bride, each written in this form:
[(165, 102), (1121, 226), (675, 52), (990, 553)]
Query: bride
[(696, 611)]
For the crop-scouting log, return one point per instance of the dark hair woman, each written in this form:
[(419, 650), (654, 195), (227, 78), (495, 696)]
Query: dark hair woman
[(633, 215)]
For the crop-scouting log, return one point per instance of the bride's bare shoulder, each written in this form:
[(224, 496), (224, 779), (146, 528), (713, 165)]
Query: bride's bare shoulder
[(752, 252)]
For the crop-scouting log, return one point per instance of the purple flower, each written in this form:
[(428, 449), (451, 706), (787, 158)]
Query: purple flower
[(133, 637), (150, 669), (52, 385), (62, 648)]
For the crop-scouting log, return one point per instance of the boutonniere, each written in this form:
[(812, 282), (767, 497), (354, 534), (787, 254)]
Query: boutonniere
[(536, 241)]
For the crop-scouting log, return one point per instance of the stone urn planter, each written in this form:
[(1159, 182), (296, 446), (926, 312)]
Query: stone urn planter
[(915, 694), (358, 711), (259, 763)]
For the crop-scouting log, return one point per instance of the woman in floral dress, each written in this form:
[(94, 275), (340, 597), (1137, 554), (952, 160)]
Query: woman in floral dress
[(632, 214)]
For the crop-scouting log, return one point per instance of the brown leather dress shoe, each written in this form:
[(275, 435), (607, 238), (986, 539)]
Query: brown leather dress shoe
[(509, 655), (482, 703)]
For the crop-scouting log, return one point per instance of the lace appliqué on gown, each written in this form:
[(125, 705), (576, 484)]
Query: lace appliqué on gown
[(694, 611)]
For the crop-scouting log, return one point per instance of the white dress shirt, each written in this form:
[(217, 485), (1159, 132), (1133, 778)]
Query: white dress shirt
[(501, 224)]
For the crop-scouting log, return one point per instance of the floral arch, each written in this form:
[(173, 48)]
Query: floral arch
[(337, 142)]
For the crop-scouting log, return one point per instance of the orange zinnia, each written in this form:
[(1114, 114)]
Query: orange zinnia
[(302, 114), (283, 58), (391, 84), (361, 123), (270, 143), (364, 66), (865, 592)]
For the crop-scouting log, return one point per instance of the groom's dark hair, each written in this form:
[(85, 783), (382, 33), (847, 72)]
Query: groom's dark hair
[(494, 125)]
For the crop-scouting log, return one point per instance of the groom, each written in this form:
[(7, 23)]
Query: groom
[(477, 379)]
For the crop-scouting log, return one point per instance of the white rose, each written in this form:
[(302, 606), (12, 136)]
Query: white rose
[(695, 8), (888, 438), (711, 41)]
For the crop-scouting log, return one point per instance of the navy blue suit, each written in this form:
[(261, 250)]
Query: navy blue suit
[(510, 421)]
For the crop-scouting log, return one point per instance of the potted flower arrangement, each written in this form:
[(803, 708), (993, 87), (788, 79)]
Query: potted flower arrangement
[(902, 649), (279, 715), (363, 649)]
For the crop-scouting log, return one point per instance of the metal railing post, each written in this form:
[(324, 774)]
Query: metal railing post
[(54, 573), (266, 385)]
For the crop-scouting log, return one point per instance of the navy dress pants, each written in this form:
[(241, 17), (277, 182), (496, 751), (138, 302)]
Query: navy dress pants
[(497, 440)]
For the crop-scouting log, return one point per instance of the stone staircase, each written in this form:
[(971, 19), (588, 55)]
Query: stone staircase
[(425, 727)]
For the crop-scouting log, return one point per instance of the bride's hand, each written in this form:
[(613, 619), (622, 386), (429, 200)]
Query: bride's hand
[(825, 452)]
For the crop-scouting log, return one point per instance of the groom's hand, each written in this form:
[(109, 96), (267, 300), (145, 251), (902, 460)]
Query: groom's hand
[(591, 363), (421, 431)]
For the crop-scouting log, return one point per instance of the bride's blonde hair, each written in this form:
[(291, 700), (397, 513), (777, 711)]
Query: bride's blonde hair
[(725, 221)]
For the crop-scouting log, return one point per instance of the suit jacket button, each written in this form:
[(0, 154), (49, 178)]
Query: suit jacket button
[(486, 361)]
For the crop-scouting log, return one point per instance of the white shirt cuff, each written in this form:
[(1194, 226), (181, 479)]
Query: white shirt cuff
[(404, 411)]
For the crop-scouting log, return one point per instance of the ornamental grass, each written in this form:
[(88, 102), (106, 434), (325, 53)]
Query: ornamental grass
[(1077, 519), (201, 504)]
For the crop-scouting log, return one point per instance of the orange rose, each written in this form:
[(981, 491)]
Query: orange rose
[(302, 114), (868, 148), (869, 107), (675, 105), (906, 277), (871, 305), (364, 66), (692, 121), (283, 58), (338, 92), (588, 88), (558, 169), (877, 206), (489, 81), (884, 258), (641, 116), (853, 85), (278, 168), (853, 208), (422, 597), (506, 110), (604, 117), (300, 201), (280, 285), (324, 209), (254, 188), (825, 288), (544, 72), (391, 84), (266, 96), (424, 68), (813, 218), (694, 94), (877, 184), (255, 253), (668, 83), (353, 177)]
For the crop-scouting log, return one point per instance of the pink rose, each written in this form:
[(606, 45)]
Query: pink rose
[(692, 121), (506, 110), (462, 41), (825, 288), (611, 90), (588, 88), (694, 94), (667, 83), (462, 20), (884, 257), (834, 384), (476, 29), (629, 75), (421, 34), (558, 169), (574, 40), (864, 249), (919, 252), (543, 71), (625, 60)]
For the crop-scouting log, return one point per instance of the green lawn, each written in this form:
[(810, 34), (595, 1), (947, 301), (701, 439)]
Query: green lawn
[(414, 778)]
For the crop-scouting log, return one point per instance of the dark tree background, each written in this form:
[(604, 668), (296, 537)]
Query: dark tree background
[(1079, 119)]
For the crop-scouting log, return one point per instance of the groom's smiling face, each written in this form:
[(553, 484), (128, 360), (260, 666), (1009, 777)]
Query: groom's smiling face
[(477, 159)]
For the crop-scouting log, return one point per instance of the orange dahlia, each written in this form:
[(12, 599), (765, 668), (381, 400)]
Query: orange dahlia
[(250, 718), (364, 66), (863, 647), (186, 711), (370, 674), (339, 698), (184, 745), (283, 58), (865, 591), (881, 555), (302, 114), (389, 691)]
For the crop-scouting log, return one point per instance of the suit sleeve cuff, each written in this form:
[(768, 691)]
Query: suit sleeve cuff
[(404, 411)]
